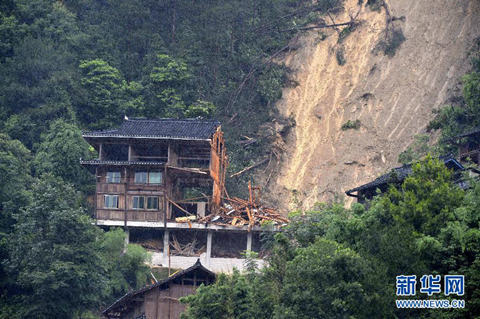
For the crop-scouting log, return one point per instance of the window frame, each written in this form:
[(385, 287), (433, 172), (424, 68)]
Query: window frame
[(157, 201), (113, 181), (147, 177), (135, 177), (155, 172), (116, 197), (138, 201)]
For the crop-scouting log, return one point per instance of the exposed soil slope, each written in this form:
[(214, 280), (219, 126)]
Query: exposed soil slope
[(393, 97)]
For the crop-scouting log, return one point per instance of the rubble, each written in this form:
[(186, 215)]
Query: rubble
[(240, 212), (189, 249)]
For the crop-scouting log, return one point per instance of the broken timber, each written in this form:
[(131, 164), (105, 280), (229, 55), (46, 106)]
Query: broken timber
[(240, 212), (250, 167)]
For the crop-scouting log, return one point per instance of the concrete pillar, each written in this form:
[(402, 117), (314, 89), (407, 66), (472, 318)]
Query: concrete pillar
[(166, 242), (249, 241), (127, 239), (166, 239), (209, 246), (101, 155)]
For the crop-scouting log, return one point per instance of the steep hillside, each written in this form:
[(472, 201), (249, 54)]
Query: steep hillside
[(392, 97)]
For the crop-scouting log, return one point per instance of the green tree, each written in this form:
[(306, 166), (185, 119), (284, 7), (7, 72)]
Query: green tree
[(104, 88), (15, 179), (59, 153), (54, 255), (325, 280), (41, 40), (427, 198), (14, 194), (126, 268), (453, 120), (231, 296), (171, 86), (108, 97)]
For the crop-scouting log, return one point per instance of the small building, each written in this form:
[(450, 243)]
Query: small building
[(157, 179), (396, 177), (161, 300)]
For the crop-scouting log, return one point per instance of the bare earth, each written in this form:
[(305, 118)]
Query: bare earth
[(392, 97)]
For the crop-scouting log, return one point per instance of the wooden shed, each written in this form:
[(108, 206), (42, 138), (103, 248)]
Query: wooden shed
[(161, 300)]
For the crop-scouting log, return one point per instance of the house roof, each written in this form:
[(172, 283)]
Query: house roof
[(122, 300), (186, 129), (398, 174)]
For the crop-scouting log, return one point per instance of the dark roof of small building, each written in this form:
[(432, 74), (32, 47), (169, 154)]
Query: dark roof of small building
[(188, 129), (398, 174), (197, 266)]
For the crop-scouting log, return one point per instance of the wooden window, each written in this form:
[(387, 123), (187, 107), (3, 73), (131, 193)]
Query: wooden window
[(110, 201), (150, 177), (138, 202), (152, 202), (141, 177), (113, 177), (154, 177)]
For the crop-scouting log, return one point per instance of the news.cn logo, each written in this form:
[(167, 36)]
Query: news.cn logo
[(430, 285)]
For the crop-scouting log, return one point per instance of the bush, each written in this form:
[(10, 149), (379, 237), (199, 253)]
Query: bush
[(375, 5), (340, 57), (392, 43), (346, 32), (351, 125)]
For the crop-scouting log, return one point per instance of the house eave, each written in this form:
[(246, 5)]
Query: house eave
[(143, 137)]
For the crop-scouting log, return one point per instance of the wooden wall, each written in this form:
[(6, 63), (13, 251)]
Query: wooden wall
[(164, 304), (128, 189)]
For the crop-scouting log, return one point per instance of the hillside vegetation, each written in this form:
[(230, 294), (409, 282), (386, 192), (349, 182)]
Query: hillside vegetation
[(333, 262), (332, 107), (69, 66)]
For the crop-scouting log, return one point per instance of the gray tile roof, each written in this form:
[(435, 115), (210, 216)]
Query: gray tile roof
[(189, 129)]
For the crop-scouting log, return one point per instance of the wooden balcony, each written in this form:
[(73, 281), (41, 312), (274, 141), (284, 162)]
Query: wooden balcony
[(132, 215)]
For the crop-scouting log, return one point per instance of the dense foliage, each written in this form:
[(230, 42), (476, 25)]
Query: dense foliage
[(54, 262), (91, 62), (334, 262), (69, 66)]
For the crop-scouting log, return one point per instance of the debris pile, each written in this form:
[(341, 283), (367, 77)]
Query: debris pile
[(239, 212), (188, 249)]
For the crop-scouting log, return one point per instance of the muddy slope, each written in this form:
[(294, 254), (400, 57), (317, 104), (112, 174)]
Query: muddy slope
[(392, 97)]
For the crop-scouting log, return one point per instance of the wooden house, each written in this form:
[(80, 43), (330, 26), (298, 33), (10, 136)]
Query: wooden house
[(157, 179), (146, 169), (161, 300)]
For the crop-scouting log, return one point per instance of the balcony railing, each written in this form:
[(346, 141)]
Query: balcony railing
[(132, 215)]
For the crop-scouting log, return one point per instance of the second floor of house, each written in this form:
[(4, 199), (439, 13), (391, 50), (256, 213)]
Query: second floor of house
[(177, 143)]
